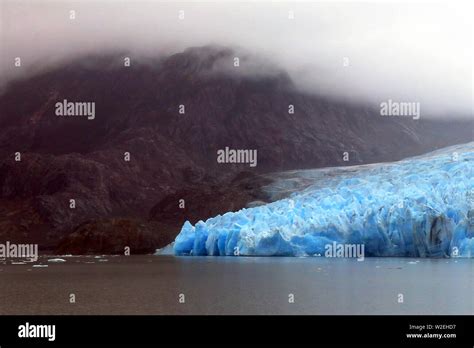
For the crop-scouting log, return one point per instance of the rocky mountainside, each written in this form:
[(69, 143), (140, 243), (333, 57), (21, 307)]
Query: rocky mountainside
[(138, 203)]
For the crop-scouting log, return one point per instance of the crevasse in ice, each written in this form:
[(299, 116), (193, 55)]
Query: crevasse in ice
[(420, 207)]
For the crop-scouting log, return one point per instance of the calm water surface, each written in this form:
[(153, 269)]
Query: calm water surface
[(237, 285)]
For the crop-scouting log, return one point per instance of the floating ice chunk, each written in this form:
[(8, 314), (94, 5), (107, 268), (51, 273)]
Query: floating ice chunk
[(419, 207), (56, 260)]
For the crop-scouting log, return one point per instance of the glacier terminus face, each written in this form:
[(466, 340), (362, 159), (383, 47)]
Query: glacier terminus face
[(418, 207)]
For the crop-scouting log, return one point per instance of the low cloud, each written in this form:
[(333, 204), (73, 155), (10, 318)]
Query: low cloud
[(362, 51)]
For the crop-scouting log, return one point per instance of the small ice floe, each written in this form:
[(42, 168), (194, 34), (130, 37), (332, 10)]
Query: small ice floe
[(39, 266), (103, 260), (18, 263), (57, 260), (413, 262)]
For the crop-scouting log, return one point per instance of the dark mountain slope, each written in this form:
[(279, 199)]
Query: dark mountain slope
[(172, 155)]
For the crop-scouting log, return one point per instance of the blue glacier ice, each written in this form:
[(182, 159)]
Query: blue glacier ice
[(419, 207)]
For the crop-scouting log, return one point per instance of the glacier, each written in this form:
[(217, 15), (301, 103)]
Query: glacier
[(418, 207)]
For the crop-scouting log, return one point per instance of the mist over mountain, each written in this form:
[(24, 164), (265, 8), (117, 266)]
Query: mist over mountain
[(361, 51), (173, 156)]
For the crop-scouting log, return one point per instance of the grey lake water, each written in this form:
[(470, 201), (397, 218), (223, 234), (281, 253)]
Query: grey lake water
[(237, 285)]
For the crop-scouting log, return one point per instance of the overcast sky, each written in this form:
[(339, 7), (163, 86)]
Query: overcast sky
[(399, 50)]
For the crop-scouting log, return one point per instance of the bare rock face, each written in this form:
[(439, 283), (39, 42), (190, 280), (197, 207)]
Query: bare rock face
[(114, 236), (172, 156), (200, 202)]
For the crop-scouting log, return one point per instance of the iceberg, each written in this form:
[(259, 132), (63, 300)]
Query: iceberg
[(419, 207)]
